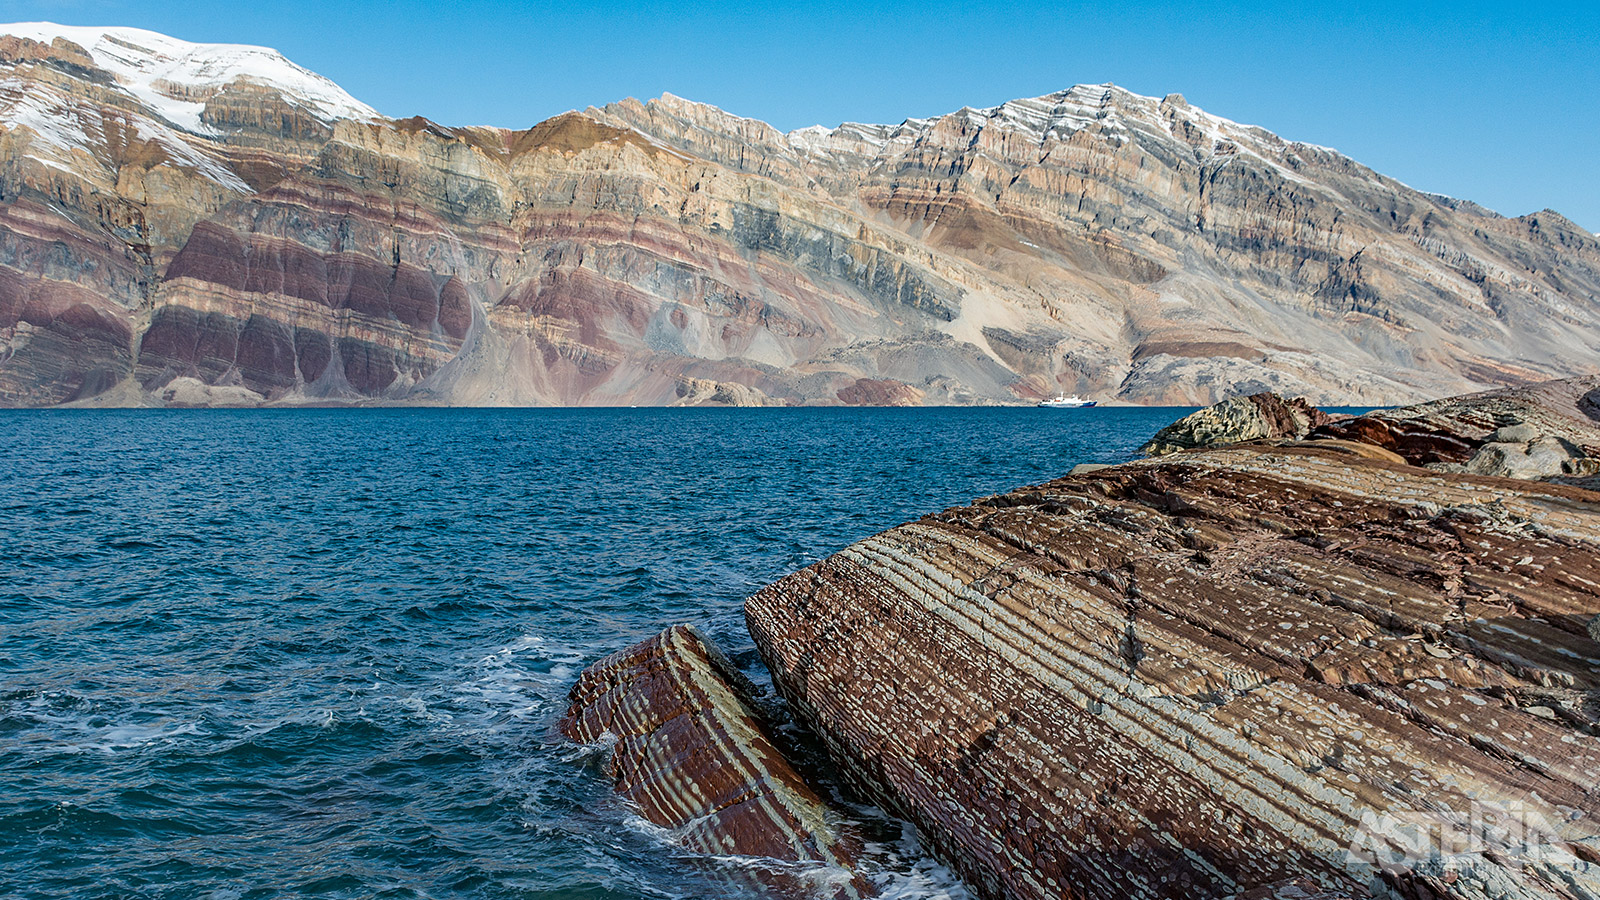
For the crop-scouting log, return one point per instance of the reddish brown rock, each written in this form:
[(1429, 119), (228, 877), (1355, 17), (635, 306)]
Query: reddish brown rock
[(242, 304), (1089, 241), (1455, 430), (690, 755), (879, 392), (1255, 670), (14, 49), (65, 331)]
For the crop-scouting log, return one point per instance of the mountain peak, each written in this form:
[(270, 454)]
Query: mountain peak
[(176, 77)]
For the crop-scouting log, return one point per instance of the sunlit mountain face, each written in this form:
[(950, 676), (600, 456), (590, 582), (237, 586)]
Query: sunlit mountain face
[(205, 224)]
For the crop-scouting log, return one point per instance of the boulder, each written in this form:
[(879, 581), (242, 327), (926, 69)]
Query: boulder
[(690, 754), (1542, 456), (1252, 671), (1257, 417)]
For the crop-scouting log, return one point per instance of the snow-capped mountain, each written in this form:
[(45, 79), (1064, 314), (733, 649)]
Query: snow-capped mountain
[(206, 223), (174, 78)]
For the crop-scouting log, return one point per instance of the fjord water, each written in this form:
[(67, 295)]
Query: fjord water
[(320, 652)]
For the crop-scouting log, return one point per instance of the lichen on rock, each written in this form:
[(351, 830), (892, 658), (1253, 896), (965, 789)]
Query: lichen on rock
[(1256, 417)]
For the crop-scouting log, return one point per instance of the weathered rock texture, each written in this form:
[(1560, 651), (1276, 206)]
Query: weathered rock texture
[(1261, 416), (208, 221), (1250, 670), (691, 756), (1539, 431)]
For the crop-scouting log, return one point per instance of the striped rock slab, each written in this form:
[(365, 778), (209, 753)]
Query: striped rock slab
[(1256, 671), (691, 756), (1453, 429)]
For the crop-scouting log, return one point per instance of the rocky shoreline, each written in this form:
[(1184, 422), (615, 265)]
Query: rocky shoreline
[(1297, 657)]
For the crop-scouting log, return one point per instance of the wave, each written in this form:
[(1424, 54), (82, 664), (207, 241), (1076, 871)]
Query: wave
[(64, 722)]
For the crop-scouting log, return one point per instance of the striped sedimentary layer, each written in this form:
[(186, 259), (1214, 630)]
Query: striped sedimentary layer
[(1457, 430), (1134, 225), (1253, 670), (312, 289), (690, 755), (1089, 241), (67, 300)]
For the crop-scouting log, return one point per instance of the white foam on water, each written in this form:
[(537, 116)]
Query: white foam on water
[(596, 749), (910, 873), (79, 728), (419, 709), (320, 718), (525, 683), (521, 683), (123, 737), (658, 833), (815, 873), (925, 880), (902, 870)]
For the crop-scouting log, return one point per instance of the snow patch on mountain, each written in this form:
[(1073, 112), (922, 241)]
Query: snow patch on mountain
[(1116, 113), (856, 138), (68, 135), (175, 77)]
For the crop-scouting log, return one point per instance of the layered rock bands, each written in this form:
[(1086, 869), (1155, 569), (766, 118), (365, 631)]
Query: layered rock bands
[(239, 230), (690, 754), (1252, 670), (1263, 667)]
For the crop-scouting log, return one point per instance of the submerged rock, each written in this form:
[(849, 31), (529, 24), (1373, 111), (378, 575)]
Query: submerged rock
[(1257, 417), (690, 755), (1255, 671)]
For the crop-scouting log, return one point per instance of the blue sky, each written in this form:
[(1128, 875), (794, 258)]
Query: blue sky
[(1495, 102)]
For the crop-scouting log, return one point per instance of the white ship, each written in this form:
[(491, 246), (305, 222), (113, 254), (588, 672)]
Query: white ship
[(1063, 402)]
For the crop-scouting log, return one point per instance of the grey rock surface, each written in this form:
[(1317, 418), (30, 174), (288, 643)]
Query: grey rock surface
[(1263, 416)]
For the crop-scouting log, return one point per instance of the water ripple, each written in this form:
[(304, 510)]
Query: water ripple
[(283, 653)]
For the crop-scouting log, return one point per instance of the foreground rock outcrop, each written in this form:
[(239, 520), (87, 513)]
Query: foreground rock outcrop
[(206, 223), (1291, 669), (690, 755), (1539, 431)]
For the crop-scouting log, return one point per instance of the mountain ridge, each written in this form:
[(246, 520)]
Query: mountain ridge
[(295, 246)]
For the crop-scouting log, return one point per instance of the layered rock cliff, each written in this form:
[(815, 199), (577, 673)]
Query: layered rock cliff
[(1290, 659), (207, 223), (1274, 668)]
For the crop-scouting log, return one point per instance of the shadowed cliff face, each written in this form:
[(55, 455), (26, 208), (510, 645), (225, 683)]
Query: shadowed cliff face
[(262, 237)]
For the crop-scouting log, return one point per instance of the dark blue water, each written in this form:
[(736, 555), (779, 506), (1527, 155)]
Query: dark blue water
[(320, 653)]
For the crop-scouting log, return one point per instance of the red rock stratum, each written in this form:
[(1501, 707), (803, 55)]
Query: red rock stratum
[(1225, 671), (689, 754), (241, 231)]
